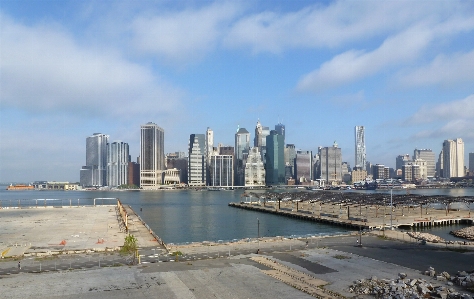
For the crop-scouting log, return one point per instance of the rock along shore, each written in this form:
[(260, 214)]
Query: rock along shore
[(465, 233)]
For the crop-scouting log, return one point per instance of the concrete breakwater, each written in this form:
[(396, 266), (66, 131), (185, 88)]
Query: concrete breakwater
[(465, 233)]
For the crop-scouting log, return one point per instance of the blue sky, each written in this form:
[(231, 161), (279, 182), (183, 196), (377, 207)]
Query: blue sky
[(68, 69)]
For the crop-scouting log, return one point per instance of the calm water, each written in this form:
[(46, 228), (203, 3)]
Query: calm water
[(188, 216)]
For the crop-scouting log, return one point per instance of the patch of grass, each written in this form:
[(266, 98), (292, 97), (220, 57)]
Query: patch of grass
[(341, 257)]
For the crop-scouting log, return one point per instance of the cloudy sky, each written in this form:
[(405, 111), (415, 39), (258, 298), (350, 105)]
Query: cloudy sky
[(68, 69)]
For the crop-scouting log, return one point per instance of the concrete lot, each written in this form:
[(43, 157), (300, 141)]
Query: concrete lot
[(33, 231)]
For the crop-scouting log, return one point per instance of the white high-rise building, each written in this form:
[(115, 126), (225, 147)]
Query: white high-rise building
[(94, 173), (117, 163), (152, 155), (360, 154), (453, 158), (197, 174), (222, 170), (209, 144)]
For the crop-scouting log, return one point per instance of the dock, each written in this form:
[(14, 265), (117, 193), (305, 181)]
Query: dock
[(366, 217)]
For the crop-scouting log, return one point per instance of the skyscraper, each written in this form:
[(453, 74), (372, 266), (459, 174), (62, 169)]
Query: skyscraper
[(275, 164), (209, 144), (221, 170), (330, 163), (280, 129), (453, 158), (242, 147), (152, 155), (402, 160), (254, 169), (94, 173), (360, 154), (197, 174), (303, 167), (290, 155), (117, 163), (471, 163), (260, 139), (209, 152), (439, 165), (242, 142), (429, 156)]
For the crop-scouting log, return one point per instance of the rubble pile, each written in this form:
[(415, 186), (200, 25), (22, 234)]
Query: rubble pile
[(406, 288), (465, 233), (426, 237), (464, 279)]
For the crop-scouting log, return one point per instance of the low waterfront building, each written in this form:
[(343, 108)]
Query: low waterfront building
[(171, 177), (55, 185)]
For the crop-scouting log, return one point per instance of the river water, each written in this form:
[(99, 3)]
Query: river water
[(180, 216)]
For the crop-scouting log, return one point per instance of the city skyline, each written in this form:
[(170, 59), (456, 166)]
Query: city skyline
[(401, 69)]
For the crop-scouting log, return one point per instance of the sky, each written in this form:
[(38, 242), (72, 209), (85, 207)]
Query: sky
[(68, 69)]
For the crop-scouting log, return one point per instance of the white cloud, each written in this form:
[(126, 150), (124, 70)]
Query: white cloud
[(333, 25), (43, 69), (446, 120), (354, 65), (453, 111), (444, 70), (183, 35)]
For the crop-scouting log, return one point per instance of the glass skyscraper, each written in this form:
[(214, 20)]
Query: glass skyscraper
[(280, 129), (275, 159), (117, 163), (93, 174), (242, 148)]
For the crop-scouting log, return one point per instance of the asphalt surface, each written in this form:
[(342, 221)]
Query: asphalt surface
[(407, 254)]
